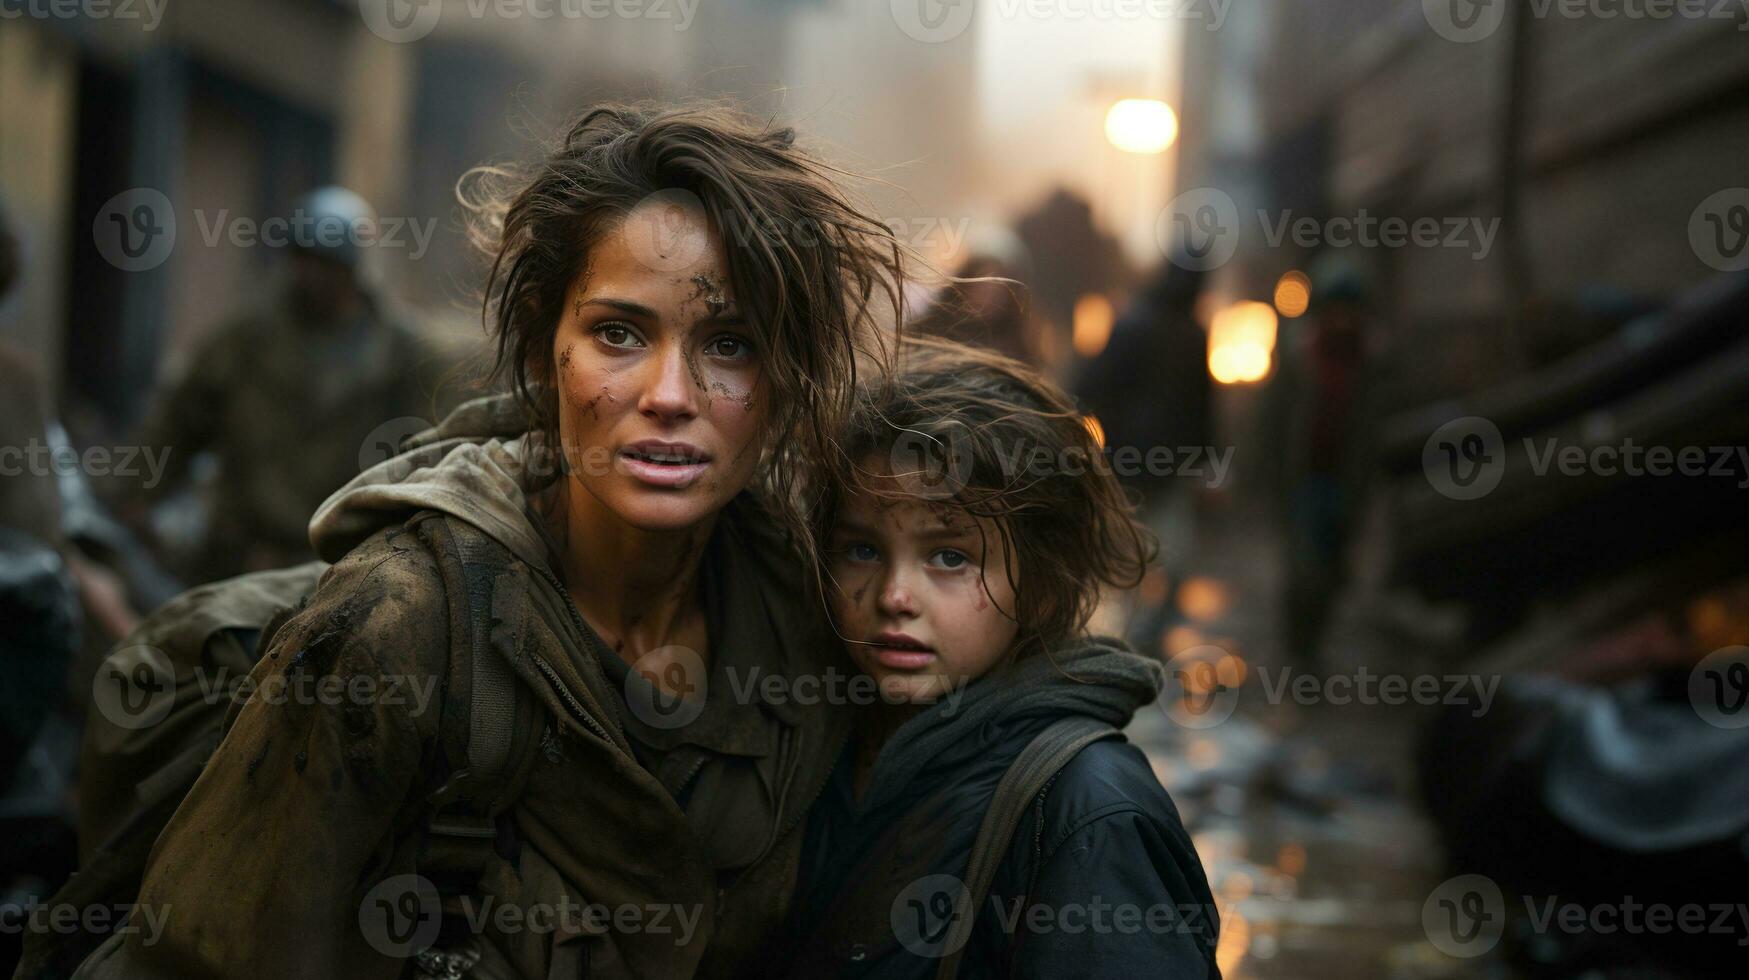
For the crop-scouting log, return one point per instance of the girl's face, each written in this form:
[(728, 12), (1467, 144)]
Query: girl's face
[(922, 594), (662, 406)]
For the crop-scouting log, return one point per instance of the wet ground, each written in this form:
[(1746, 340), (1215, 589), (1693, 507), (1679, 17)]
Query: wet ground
[(1304, 813)]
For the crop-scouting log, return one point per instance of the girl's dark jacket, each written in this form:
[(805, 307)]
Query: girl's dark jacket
[(1101, 880)]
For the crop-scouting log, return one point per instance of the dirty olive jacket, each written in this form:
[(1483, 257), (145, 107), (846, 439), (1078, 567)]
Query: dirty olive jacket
[(306, 807)]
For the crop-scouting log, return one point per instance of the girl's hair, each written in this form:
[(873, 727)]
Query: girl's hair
[(972, 429), (814, 274)]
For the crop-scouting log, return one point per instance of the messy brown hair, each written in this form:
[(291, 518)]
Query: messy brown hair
[(950, 424), (815, 274)]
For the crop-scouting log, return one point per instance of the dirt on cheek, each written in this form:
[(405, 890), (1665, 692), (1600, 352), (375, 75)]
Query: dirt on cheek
[(745, 398), (593, 405), (697, 376), (565, 355)]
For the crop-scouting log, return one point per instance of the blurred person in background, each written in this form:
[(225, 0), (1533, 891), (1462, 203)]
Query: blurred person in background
[(43, 584), (69, 587), (286, 397), (991, 312), (38, 624), (1149, 388), (1323, 381), (1071, 257)]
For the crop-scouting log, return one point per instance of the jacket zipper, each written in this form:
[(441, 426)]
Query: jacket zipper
[(576, 709), (691, 772), (552, 675)]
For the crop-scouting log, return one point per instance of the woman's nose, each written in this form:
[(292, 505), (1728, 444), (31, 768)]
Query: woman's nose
[(671, 390)]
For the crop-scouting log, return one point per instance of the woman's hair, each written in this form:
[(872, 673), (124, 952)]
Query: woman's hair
[(814, 274), (969, 428)]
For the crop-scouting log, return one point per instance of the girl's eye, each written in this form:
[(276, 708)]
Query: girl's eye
[(950, 558), (617, 335), (729, 346), (861, 552)]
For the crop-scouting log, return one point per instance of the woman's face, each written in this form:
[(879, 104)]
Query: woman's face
[(662, 406)]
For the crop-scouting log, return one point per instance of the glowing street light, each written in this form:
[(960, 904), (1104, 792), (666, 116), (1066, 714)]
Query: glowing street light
[(1141, 125), (1293, 294), (1242, 343), (1093, 320)]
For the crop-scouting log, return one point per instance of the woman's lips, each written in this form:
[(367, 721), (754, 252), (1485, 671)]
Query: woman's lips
[(662, 474), (664, 464)]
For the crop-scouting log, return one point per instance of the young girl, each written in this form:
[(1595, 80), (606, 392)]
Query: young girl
[(966, 544)]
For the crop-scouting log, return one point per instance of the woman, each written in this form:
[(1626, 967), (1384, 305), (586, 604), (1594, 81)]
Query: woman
[(680, 298)]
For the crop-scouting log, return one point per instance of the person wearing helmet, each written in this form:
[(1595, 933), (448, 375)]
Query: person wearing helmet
[(286, 397)]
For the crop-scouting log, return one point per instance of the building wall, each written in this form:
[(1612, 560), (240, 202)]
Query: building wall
[(295, 59), (39, 77), (1627, 125)]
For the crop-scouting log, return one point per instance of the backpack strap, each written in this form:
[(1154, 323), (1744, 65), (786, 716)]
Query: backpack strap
[(492, 723), (1027, 777)]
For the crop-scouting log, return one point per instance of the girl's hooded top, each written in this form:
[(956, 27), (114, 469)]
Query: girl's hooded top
[(1101, 880)]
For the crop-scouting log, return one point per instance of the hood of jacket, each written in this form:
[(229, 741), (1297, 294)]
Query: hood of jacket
[(473, 465), (1098, 677)]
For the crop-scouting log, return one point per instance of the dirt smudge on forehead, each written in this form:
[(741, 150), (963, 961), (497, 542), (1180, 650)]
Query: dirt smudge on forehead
[(951, 516), (710, 289)]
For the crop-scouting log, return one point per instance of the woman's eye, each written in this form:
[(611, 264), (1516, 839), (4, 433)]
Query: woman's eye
[(617, 335), (729, 346), (950, 558)]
